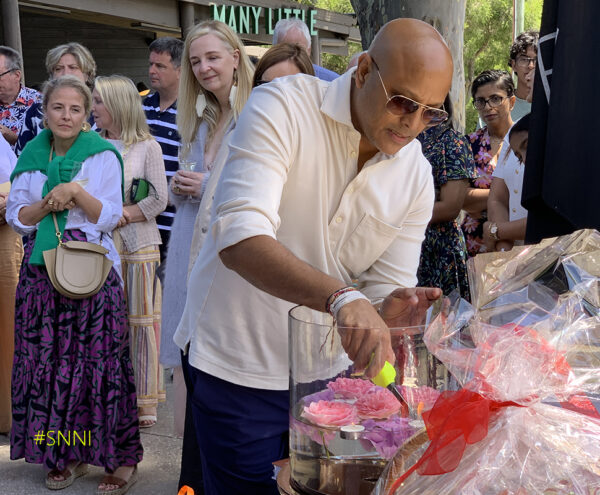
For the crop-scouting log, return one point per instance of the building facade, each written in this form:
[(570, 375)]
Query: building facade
[(118, 32)]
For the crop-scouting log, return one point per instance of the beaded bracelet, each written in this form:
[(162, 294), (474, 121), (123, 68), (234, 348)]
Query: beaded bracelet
[(341, 297)]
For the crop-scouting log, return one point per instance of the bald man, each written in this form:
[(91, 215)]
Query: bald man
[(325, 184)]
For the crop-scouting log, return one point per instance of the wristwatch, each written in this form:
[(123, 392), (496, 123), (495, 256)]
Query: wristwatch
[(494, 231)]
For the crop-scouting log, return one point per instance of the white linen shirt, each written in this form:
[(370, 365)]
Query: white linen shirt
[(292, 175), (8, 160), (101, 177), (511, 171)]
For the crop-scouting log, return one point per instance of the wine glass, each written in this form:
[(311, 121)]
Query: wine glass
[(81, 171), (186, 162)]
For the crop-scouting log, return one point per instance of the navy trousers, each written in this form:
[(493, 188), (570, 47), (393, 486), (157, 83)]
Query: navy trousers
[(240, 431)]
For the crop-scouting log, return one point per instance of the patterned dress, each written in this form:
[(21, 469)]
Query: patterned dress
[(443, 253), (72, 373), (473, 227)]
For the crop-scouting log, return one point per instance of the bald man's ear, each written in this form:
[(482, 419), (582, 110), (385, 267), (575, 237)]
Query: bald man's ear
[(364, 67)]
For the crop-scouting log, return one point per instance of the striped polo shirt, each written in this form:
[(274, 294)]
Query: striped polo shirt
[(164, 129)]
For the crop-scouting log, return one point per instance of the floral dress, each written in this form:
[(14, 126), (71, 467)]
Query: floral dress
[(473, 227), (443, 253)]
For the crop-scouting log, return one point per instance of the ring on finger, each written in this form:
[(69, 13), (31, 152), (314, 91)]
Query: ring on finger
[(51, 202)]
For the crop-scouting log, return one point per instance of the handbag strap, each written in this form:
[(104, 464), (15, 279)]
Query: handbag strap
[(58, 234)]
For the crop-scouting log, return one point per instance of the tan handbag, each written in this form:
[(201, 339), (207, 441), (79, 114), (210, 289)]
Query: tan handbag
[(77, 269)]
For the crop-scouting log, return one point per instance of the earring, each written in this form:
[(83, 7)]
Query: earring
[(86, 127), (200, 104), (232, 93)]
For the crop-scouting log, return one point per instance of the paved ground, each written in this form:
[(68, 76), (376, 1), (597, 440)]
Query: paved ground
[(158, 472)]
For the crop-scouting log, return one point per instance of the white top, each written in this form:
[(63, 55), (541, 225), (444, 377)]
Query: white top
[(511, 171), (292, 175), (100, 175), (8, 159)]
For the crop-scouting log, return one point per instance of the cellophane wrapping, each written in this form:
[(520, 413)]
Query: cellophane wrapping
[(529, 351)]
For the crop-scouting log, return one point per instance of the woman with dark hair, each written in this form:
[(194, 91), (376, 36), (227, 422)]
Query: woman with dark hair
[(507, 218), (444, 253), (493, 97), (284, 59)]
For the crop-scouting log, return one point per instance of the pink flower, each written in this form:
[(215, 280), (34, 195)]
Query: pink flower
[(379, 403), (330, 413), (350, 388), (426, 396), (322, 437)]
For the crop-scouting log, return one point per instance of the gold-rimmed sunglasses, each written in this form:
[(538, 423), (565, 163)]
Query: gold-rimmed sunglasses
[(400, 105)]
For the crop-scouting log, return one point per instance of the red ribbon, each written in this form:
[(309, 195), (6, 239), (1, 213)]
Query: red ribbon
[(456, 420), (461, 418)]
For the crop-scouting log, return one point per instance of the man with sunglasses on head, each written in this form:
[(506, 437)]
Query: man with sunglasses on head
[(325, 185), (15, 98)]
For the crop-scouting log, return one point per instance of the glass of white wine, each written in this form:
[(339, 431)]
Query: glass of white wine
[(80, 174), (186, 161)]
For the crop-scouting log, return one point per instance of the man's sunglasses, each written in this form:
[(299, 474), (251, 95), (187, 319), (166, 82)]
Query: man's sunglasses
[(402, 105)]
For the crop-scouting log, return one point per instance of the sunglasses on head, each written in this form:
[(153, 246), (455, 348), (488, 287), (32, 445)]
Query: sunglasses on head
[(402, 105)]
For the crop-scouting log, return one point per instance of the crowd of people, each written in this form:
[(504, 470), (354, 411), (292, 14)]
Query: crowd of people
[(222, 199)]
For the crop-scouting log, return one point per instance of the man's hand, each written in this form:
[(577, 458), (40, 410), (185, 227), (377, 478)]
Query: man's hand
[(408, 307), (365, 337)]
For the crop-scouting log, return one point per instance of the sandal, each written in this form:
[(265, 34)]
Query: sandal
[(68, 475), (149, 419), (122, 485)]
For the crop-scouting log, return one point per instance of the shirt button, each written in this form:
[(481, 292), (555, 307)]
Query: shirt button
[(516, 191), (351, 189), (517, 172), (339, 219), (514, 210), (353, 153), (170, 133), (204, 229)]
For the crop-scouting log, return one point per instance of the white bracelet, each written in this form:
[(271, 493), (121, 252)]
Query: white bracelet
[(345, 298)]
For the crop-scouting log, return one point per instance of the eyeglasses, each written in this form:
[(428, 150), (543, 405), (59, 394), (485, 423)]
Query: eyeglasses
[(494, 101), (401, 105), (525, 61), (6, 72)]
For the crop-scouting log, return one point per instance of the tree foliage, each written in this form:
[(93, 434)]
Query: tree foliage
[(488, 37)]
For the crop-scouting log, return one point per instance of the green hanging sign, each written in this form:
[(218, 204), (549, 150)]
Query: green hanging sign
[(244, 19)]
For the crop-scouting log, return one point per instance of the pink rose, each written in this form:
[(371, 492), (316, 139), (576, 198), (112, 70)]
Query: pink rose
[(379, 403), (350, 388), (420, 395), (330, 413)]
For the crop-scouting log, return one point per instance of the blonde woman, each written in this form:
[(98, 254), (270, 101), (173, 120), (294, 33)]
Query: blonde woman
[(71, 59), (72, 368), (117, 110), (216, 80)]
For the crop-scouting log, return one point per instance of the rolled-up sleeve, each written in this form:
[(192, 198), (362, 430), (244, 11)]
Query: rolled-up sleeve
[(260, 153), (105, 185), (25, 190), (154, 172)]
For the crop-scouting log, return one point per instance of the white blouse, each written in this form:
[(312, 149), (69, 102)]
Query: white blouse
[(100, 176)]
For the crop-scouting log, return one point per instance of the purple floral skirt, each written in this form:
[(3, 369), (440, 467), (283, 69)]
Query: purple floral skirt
[(72, 374)]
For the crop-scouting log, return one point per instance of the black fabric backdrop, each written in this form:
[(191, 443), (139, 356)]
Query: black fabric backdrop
[(561, 187)]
